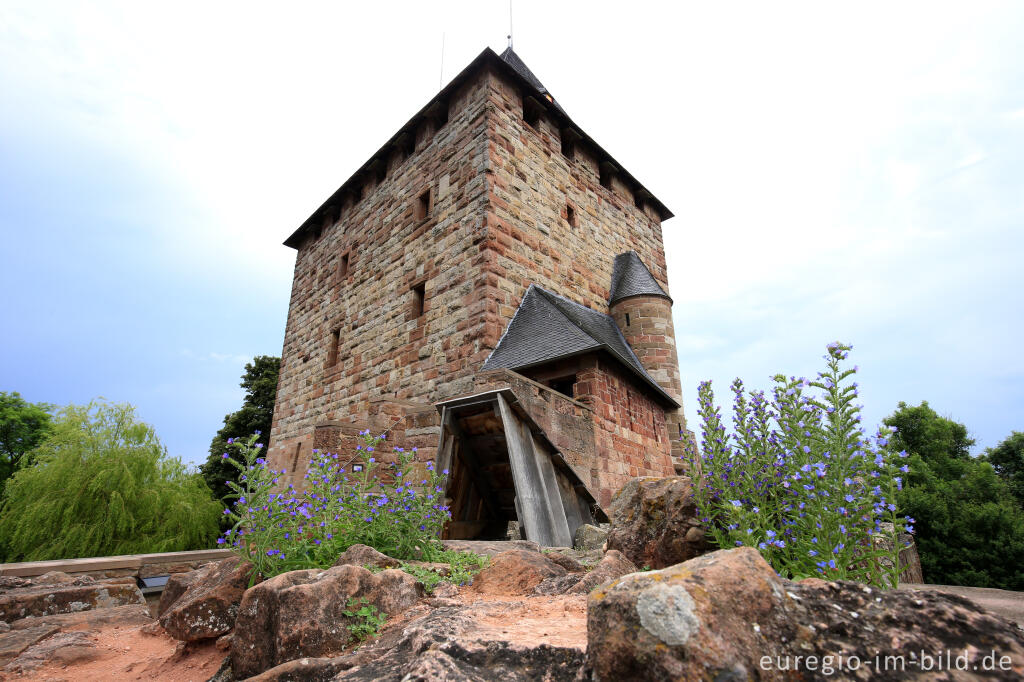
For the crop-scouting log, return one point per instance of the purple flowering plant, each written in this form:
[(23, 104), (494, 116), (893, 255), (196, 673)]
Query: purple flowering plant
[(799, 478), (343, 502)]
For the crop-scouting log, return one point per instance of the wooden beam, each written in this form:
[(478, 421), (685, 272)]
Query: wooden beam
[(543, 516), (556, 510)]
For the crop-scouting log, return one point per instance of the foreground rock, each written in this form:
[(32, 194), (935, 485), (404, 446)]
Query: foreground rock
[(300, 613), (56, 593), (208, 606), (727, 615), (517, 572), (62, 649), (654, 522), (127, 616), (483, 641)]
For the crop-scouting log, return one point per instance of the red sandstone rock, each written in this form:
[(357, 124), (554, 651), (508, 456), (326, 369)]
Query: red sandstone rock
[(207, 608), (728, 615), (613, 565), (176, 586), (654, 522), (299, 614), (22, 599), (362, 555), (516, 572), (62, 649)]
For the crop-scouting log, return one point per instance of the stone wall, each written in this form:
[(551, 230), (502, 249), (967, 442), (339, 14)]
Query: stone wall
[(356, 284)]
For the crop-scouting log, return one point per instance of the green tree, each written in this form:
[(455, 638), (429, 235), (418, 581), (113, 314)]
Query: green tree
[(969, 530), (102, 484), (23, 425), (256, 414), (1008, 460)]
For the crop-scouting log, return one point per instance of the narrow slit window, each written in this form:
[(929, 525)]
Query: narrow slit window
[(570, 215), (423, 206), (343, 266), (418, 296), (332, 350), (568, 148), (531, 112)]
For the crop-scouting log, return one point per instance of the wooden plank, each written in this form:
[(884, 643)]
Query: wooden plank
[(529, 489), (444, 451), (556, 511)]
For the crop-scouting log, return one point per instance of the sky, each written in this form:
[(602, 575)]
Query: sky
[(836, 173)]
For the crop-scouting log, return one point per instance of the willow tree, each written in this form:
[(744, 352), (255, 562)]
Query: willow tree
[(102, 484)]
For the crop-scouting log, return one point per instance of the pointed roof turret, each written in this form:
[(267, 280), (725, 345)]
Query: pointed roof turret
[(630, 277), (548, 327)]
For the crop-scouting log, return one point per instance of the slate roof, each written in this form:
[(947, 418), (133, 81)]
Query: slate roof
[(513, 60), (548, 327), (630, 277)]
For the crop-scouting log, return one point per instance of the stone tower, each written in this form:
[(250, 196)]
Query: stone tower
[(466, 290)]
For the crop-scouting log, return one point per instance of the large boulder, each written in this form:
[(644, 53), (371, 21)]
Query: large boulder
[(208, 606), (300, 614), (176, 586), (655, 523), (366, 556), (728, 616), (60, 593), (516, 572), (479, 642)]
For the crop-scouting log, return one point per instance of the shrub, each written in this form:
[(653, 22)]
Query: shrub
[(102, 484), (799, 479), (343, 504)]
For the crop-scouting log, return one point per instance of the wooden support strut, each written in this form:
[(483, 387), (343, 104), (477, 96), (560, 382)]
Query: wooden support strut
[(539, 501)]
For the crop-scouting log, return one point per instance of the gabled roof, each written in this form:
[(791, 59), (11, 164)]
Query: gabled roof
[(508, 63), (548, 327), (630, 277)]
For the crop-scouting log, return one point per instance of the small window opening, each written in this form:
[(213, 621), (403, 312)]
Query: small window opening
[(606, 177), (638, 201), (343, 266), (627, 319), (332, 350), (568, 148), (531, 112), (570, 215), (295, 457), (564, 385), (418, 296), (680, 431), (423, 206)]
